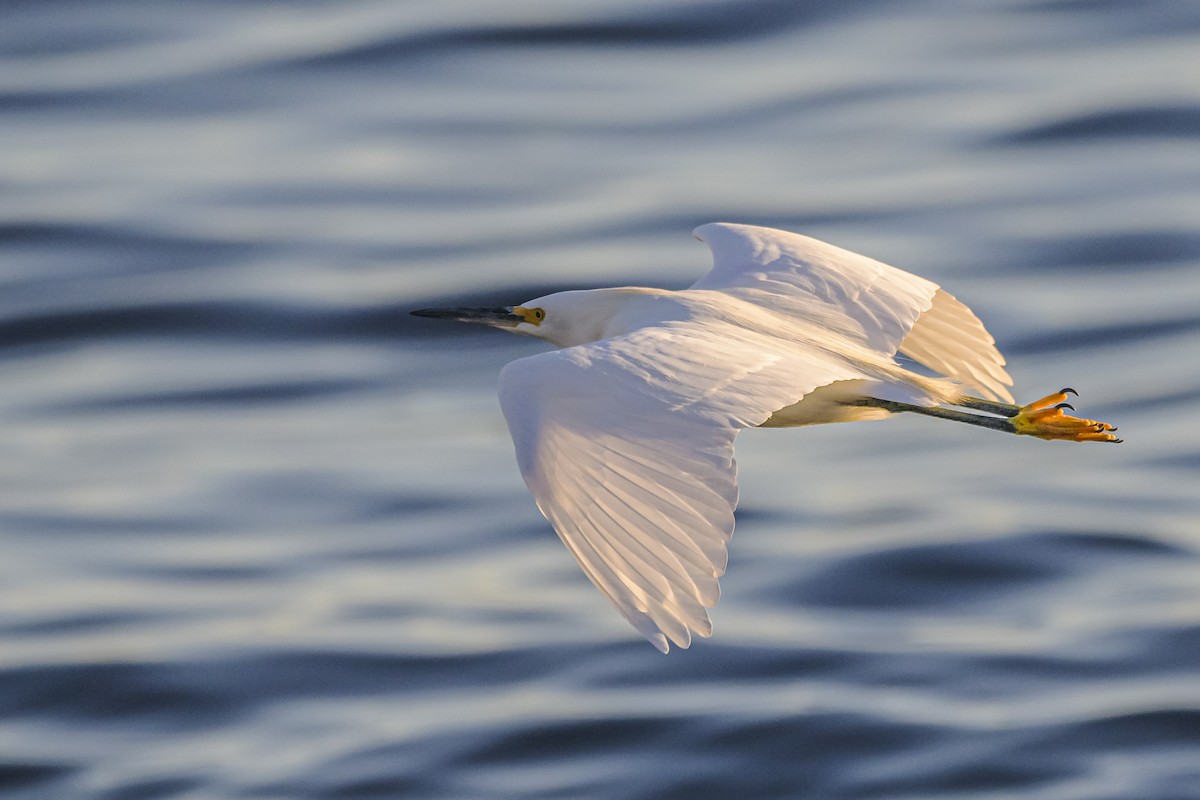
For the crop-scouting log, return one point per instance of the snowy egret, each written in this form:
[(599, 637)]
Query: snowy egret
[(625, 434)]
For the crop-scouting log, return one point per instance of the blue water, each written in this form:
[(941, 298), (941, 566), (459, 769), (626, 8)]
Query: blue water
[(262, 534)]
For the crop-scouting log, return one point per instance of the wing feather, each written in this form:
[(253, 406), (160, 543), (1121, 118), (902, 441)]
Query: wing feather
[(885, 308), (949, 338), (627, 448), (872, 302), (703, 568)]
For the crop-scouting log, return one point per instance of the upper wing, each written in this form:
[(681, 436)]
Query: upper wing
[(885, 308), (795, 275), (627, 447)]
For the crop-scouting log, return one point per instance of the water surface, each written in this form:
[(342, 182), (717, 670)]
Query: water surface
[(262, 533)]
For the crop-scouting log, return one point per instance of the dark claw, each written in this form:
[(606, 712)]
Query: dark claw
[(1065, 405), (1117, 441), (1068, 390)]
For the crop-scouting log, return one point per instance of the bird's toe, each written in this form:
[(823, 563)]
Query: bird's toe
[(1047, 419)]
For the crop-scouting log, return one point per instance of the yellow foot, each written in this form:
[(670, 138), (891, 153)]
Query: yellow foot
[(1045, 419)]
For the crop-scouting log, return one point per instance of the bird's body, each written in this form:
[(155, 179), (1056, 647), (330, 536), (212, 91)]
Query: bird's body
[(625, 434)]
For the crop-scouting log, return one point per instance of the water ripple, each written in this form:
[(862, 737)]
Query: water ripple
[(1165, 122), (262, 531)]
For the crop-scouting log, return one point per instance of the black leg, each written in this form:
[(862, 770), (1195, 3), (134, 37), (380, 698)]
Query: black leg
[(989, 406), (995, 423), (1042, 418)]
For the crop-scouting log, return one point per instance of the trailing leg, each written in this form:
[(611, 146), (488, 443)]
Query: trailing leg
[(1044, 418)]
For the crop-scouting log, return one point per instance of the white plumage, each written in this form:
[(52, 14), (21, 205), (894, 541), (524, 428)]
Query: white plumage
[(625, 434)]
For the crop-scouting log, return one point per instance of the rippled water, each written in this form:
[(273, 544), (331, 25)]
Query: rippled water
[(261, 533)]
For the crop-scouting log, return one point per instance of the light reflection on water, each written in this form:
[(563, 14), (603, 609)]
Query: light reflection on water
[(262, 532)]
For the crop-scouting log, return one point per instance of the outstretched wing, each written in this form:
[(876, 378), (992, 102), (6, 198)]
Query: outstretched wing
[(880, 306), (627, 447)]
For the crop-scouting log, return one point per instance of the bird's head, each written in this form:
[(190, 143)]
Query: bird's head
[(564, 318)]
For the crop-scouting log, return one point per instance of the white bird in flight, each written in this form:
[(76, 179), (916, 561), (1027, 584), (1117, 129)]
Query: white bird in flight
[(625, 435)]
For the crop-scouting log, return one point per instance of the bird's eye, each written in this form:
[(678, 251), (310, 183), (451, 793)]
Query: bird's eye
[(533, 316)]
